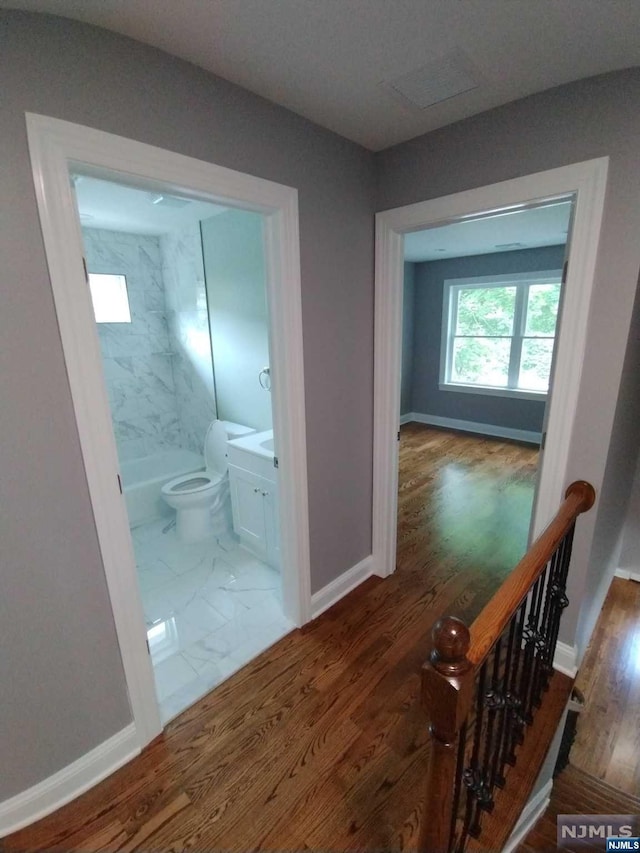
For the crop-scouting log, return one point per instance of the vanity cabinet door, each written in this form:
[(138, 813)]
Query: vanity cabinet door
[(248, 506), (272, 526)]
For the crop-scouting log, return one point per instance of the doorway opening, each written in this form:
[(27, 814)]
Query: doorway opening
[(586, 183), (179, 297), (481, 305), (59, 149)]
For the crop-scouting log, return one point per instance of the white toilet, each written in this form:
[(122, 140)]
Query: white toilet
[(201, 499)]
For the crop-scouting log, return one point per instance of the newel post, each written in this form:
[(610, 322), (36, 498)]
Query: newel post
[(447, 691)]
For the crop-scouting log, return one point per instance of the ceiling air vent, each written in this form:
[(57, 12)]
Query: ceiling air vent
[(444, 78)]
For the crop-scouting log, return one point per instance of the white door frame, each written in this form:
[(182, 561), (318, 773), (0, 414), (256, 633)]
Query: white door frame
[(587, 181), (55, 147)]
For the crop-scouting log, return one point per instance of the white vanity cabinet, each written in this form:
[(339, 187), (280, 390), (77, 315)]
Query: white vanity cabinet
[(254, 503), (254, 496)]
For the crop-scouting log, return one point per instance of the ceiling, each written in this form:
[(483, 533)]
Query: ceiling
[(545, 225), (332, 60), (116, 207)]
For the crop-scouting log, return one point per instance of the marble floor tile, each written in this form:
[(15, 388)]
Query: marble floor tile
[(171, 675), (209, 608), (153, 575), (176, 633)]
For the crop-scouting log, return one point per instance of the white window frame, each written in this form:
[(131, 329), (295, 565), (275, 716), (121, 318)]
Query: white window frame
[(451, 290)]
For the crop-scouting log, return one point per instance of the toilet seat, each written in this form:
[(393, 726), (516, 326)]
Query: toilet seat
[(191, 483), (202, 499)]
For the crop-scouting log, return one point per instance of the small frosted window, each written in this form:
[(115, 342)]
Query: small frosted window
[(110, 298)]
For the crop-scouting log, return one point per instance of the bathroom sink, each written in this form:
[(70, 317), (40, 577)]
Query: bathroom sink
[(260, 443), (254, 453)]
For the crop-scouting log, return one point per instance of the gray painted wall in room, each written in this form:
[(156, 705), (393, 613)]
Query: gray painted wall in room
[(591, 118), (407, 339), (630, 543), (426, 396), (59, 648)]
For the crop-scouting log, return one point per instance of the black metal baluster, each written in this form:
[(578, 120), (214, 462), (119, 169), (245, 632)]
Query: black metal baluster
[(472, 776), (457, 787), (559, 592), (539, 642), (545, 666), (557, 602), (530, 633), (514, 702), (497, 771), (494, 701)]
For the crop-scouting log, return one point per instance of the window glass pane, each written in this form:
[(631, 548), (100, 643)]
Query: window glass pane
[(110, 298), (542, 309), (535, 364), (485, 311), (481, 361)]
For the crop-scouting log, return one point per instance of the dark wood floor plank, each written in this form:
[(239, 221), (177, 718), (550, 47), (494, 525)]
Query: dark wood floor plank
[(607, 745), (321, 743), (604, 774)]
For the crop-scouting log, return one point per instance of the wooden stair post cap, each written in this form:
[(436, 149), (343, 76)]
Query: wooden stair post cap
[(451, 641), (585, 491)]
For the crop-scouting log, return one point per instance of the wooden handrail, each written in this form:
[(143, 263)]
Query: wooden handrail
[(496, 671), (495, 616)]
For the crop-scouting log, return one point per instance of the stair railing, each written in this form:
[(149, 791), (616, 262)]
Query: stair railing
[(481, 686)]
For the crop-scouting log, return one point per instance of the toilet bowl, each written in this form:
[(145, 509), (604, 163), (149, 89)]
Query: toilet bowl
[(201, 499)]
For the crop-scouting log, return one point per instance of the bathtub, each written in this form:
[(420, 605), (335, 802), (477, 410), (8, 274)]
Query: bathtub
[(143, 478)]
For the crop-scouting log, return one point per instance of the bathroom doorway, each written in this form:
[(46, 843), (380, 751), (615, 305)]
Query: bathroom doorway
[(60, 150), (179, 298)]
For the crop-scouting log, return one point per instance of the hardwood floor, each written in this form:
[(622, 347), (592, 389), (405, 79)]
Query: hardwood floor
[(576, 792), (603, 776), (464, 499), (607, 745), (320, 743)]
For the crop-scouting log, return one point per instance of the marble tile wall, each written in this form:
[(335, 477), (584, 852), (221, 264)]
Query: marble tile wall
[(188, 325), (137, 356)]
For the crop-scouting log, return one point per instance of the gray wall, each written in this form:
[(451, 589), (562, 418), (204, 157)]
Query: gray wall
[(234, 263), (426, 396), (59, 649), (617, 527), (591, 118), (407, 339), (630, 541)]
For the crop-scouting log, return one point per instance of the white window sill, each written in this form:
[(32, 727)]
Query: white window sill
[(483, 390)]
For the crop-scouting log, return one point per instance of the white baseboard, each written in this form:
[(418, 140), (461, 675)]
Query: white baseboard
[(565, 659), (324, 598), (473, 426), (67, 784), (533, 810), (627, 575)]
